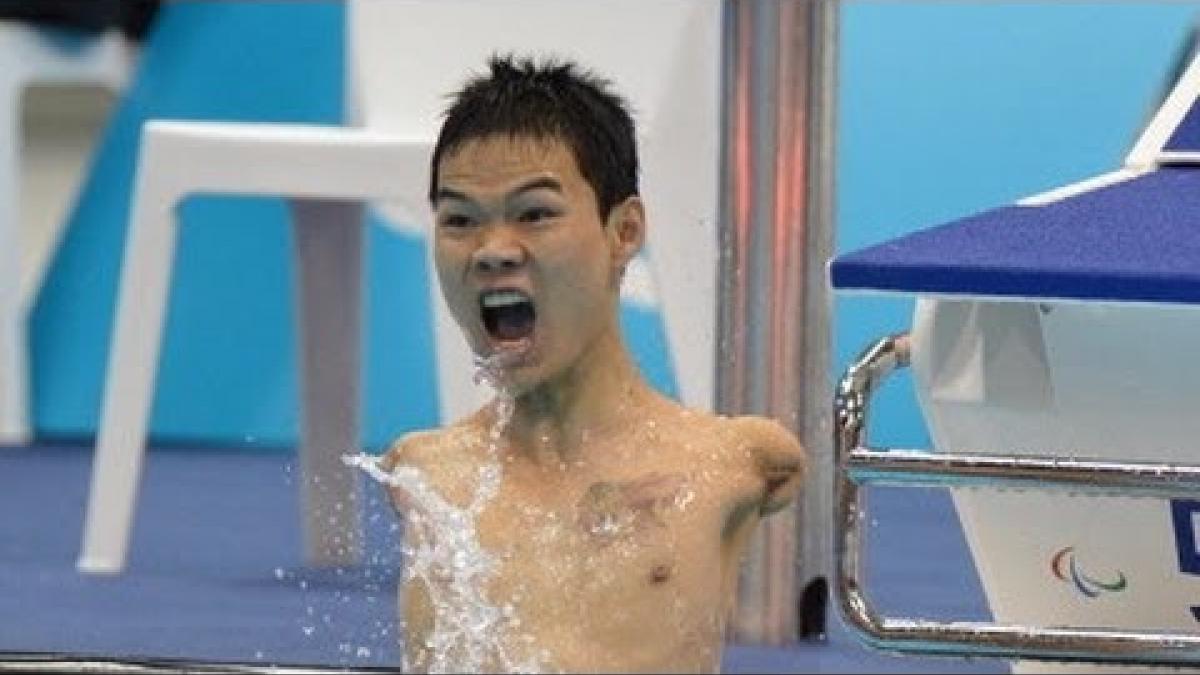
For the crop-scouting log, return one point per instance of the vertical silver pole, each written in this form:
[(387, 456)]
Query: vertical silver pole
[(776, 228)]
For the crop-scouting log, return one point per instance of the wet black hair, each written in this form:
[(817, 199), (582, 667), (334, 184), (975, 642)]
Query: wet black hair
[(551, 100)]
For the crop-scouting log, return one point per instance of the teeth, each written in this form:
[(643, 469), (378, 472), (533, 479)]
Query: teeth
[(503, 298)]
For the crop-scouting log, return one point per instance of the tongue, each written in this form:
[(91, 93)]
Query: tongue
[(512, 323), (510, 327)]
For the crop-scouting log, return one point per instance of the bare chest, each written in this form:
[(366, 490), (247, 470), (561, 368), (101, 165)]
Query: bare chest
[(597, 559), (599, 535)]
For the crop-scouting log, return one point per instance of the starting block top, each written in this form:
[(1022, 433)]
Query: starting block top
[(1132, 235)]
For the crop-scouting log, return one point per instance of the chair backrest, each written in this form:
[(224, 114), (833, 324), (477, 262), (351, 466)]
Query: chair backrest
[(664, 56)]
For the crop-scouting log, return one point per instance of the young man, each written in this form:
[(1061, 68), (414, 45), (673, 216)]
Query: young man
[(607, 533)]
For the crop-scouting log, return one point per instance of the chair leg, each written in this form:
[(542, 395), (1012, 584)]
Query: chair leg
[(14, 425), (329, 250), (14, 429), (129, 383)]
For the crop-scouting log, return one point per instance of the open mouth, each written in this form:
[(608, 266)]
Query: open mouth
[(508, 315)]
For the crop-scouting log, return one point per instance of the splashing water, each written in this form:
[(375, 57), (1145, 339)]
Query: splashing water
[(470, 632)]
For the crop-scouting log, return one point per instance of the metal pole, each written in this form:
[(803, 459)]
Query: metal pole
[(776, 216)]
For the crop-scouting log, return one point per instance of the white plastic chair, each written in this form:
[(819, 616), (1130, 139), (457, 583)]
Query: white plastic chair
[(29, 57), (406, 56)]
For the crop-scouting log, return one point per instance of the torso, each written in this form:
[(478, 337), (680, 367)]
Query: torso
[(623, 561)]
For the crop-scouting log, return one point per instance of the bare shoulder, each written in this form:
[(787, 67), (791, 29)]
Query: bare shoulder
[(767, 435), (761, 459), (442, 458), (421, 449), (761, 439), (776, 457)]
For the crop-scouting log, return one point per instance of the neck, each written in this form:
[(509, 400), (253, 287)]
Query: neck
[(552, 422)]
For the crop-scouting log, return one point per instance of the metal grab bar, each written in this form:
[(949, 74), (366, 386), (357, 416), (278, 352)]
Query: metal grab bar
[(858, 465)]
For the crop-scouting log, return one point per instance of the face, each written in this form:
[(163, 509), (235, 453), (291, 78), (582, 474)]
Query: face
[(528, 268)]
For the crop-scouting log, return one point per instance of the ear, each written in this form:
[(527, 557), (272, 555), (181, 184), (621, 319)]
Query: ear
[(626, 231)]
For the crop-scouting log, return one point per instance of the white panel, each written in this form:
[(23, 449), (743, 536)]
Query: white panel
[(1123, 382)]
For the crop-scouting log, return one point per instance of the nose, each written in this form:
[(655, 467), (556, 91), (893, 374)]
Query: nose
[(498, 253)]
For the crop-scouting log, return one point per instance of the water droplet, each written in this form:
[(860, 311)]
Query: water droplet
[(682, 499)]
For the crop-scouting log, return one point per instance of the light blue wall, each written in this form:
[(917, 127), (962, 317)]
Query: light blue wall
[(945, 108), (948, 108)]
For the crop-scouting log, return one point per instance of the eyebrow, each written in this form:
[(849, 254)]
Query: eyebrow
[(444, 194), (540, 183)]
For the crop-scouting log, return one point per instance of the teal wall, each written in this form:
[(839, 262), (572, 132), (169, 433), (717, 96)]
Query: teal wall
[(945, 108), (948, 108)]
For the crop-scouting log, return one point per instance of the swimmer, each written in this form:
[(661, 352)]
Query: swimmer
[(620, 516)]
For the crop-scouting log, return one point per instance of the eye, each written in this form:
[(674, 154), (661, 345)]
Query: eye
[(536, 214), (454, 220)]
